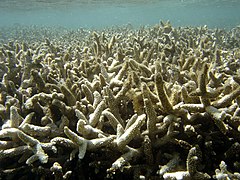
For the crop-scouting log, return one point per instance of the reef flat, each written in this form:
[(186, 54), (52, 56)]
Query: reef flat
[(150, 103)]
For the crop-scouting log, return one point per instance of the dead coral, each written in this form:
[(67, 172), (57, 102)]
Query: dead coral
[(149, 103)]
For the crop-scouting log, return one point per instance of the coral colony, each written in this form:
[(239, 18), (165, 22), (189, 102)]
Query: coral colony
[(149, 103)]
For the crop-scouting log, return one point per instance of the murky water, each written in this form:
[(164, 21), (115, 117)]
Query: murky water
[(98, 14)]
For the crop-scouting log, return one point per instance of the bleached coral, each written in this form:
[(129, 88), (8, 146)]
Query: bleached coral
[(156, 102)]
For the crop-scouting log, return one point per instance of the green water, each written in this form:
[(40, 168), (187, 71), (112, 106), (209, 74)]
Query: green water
[(99, 14)]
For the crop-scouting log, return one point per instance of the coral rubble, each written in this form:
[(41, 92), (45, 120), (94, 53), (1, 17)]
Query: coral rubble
[(150, 103)]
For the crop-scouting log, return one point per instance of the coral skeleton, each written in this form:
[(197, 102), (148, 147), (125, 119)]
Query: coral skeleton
[(149, 103)]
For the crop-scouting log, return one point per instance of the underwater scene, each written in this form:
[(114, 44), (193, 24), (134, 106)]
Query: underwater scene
[(117, 89)]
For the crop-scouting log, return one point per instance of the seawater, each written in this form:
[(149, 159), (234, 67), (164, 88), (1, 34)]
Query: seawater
[(105, 13)]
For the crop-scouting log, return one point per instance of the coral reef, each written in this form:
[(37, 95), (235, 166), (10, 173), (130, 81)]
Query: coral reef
[(149, 103)]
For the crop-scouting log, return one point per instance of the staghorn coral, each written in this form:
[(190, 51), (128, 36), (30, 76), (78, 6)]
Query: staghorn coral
[(150, 103)]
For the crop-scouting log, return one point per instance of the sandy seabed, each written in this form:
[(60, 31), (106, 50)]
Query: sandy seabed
[(157, 102)]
